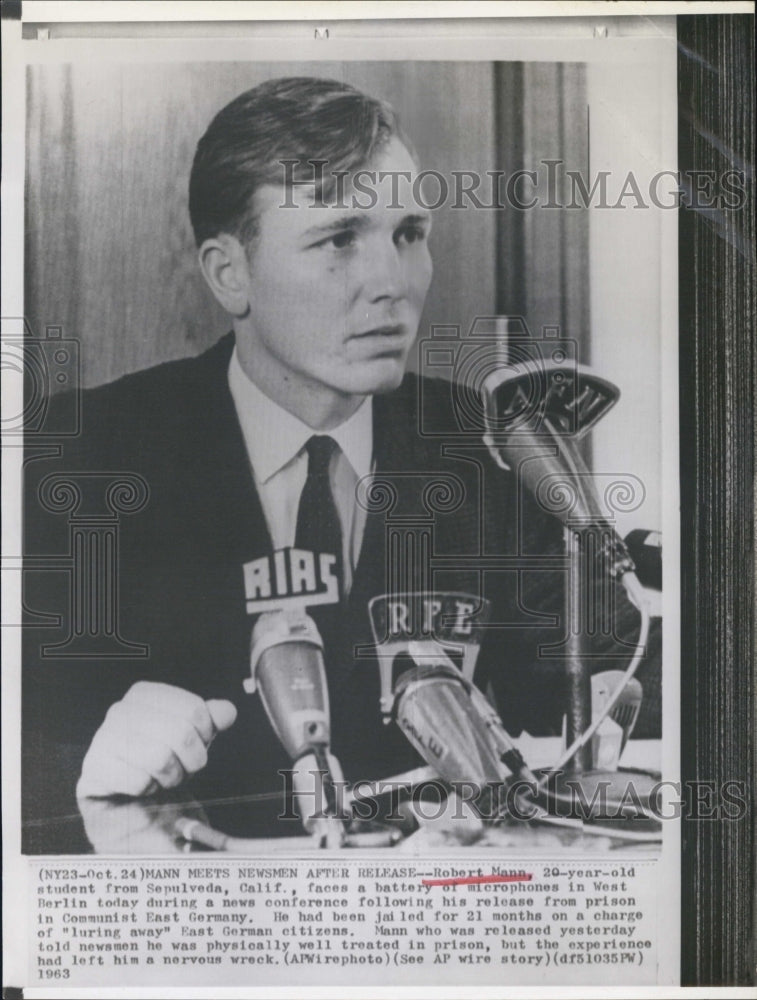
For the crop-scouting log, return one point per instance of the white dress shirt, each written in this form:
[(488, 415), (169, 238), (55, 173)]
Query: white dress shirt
[(276, 441)]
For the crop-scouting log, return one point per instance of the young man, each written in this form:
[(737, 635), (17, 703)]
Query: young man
[(301, 198)]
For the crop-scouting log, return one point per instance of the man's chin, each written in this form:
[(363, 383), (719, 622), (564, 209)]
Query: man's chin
[(382, 375)]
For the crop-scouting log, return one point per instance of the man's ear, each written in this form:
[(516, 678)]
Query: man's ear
[(225, 267)]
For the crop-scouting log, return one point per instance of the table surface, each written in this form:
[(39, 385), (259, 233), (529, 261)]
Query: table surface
[(149, 826)]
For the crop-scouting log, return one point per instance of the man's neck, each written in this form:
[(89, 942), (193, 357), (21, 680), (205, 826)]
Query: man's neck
[(315, 404)]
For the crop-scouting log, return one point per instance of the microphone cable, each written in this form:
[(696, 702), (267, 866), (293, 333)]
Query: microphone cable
[(636, 594)]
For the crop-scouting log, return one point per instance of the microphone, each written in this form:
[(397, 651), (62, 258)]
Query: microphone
[(434, 701), (453, 727), (534, 413), (446, 623), (287, 670), (626, 709), (646, 551), (433, 709)]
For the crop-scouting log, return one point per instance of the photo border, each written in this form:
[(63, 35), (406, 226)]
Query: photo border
[(717, 386), (716, 119)]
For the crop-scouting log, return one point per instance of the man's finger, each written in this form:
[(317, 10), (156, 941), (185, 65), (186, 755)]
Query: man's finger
[(172, 700), (152, 728), (102, 777), (222, 712), (140, 752)]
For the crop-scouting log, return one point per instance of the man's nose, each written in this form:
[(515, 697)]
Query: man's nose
[(386, 273)]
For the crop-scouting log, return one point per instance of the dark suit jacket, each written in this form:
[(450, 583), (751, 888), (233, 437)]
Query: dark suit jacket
[(179, 574)]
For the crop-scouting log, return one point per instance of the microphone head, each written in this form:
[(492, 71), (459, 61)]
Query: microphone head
[(646, 551), (538, 396), (434, 710), (535, 413), (287, 670), (626, 710), (428, 626)]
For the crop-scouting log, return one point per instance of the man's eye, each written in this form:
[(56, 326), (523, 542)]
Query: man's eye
[(410, 234), (342, 240)]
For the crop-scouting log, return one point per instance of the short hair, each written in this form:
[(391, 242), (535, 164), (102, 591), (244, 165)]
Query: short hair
[(291, 118)]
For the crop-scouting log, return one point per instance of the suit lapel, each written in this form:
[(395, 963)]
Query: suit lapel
[(240, 525)]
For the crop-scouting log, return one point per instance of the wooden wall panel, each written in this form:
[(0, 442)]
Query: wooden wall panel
[(555, 239), (543, 252)]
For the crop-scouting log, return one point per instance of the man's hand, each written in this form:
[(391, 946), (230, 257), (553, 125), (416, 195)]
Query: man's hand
[(153, 738), (136, 826)]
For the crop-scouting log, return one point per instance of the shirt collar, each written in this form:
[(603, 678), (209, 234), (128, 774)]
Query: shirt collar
[(274, 436)]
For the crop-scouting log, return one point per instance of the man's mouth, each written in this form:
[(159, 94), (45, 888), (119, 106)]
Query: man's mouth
[(384, 332)]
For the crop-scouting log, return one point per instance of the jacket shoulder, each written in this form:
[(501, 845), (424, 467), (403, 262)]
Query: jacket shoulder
[(160, 386), (123, 414)]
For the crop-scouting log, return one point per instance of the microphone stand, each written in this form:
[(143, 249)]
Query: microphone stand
[(596, 557), (578, 675)]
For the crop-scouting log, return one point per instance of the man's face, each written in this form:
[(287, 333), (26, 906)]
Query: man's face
[(336, 291)]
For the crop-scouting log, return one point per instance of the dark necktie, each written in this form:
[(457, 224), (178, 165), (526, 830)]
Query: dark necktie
[(318, 526)]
